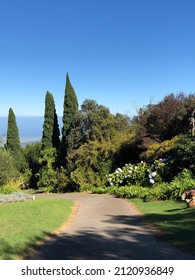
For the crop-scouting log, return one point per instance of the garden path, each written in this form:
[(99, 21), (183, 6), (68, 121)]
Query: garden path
[(105, 227)]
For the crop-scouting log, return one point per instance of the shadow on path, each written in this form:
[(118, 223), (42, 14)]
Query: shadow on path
[(106, 228), (129, 241), (91, 245)]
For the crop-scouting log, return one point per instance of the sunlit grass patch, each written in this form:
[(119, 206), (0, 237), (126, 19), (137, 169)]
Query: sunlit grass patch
[(176, 221), (23, 224)]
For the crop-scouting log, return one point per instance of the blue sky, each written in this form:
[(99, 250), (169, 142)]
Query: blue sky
[(122, 53)]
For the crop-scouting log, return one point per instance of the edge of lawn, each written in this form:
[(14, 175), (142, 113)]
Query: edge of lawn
[(152, 227), (57, 231), (159, 232)]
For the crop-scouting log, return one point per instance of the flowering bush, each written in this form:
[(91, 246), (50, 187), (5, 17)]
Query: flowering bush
[(160, 191), (140, 174), (130, 174), (156, 171)]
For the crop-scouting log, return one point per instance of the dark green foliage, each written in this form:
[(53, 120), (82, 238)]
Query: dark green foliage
[(47, 174), (182, 182), (8, 170), (50, 177), (76, 135), (50, 137), (98, 121), (95, 138), (32, 154), (69, 111), (183, 154), (13, 140), (56, 132), (94, 122)]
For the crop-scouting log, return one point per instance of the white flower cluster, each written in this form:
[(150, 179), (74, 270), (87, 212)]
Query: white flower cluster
[(141, 174), (130, 174), (151, 177)]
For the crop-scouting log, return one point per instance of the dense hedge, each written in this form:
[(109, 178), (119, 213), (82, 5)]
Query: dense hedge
[(160, 191)]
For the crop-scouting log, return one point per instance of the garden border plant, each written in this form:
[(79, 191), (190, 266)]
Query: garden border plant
[(15, 197)]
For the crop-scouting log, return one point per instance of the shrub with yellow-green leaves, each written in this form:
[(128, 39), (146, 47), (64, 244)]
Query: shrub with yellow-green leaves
[(159, 150)]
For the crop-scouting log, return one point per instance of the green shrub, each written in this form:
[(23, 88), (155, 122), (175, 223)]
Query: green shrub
[(182, 156), (9, 188), (82, 177), (31, 154), (160, 150), (100, 190), (62, 184), (130, 192), (8, 170), (123, 192), (87, 188), (158, 192), (173, 190), (181, 183)]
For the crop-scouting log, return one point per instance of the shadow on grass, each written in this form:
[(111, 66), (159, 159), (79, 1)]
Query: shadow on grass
[(173, 210), (124, 237), (178, 227), (10, 252)]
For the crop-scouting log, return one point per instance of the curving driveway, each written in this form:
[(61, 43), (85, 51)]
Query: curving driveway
[(105, 228)]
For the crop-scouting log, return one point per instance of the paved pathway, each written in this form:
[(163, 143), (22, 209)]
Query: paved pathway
[(105, 227)]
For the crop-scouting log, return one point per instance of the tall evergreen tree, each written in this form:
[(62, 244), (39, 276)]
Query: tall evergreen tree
[(56, 131), (13, 140), (69, 112), (51, 132)]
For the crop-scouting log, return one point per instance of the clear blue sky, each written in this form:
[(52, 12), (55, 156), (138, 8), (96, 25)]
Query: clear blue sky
[(122, 53)]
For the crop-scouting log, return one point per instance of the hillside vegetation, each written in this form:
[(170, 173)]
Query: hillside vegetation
[(151, 155)]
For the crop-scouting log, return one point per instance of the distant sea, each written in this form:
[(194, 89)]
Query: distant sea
[(30, 128)]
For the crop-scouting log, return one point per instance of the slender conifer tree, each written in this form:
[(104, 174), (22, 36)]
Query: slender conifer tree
[(69, 112), (50, 136), (13, 139)]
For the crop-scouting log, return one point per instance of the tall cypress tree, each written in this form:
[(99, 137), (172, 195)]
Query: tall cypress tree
[(51, 132), (70, 110), (56, 131), (13, 140)]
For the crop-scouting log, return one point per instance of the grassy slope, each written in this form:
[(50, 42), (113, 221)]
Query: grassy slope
[(176, 221), (25, 223)]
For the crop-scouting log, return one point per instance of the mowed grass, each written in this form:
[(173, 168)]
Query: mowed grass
[(175, 221), (23, 224)]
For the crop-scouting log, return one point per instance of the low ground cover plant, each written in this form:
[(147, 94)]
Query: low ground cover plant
[(15, 197)]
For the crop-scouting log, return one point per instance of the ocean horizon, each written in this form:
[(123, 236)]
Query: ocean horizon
[(30, 128)]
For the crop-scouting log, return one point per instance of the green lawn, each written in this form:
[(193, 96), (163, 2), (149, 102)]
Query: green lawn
[(23, 224), (176, 221)]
